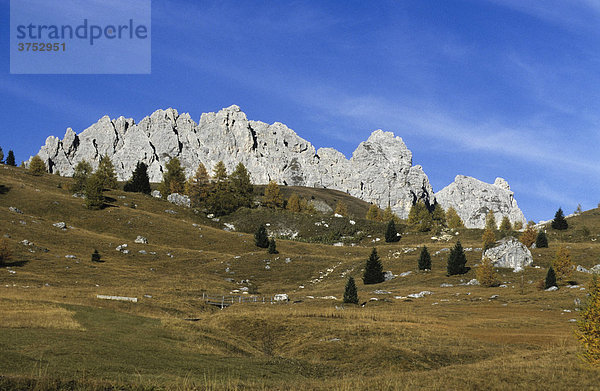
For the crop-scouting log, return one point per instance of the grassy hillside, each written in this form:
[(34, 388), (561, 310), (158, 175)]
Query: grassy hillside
[(55, 333)]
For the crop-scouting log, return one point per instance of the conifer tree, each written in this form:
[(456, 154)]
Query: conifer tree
[(388, 215), (173, 179), (528, 237), (139, 181), (293, 204), (198, 186), (273, 197), (559, 222), (541, 241), (453, 219), (341, 208), (457, 260), (350, 292), (550, 278), (485, 273), (391, 234), (424, 259), (373, 213), (419, 217), (489, 239), (272, 247), (588, 327), (373, 270), (505, 226), (242, 186), (438, 216), (562, 264), (94, 198), (96, 256), (490, 221), (260, 237), (10, 159), (106, 173), (37, 166), (221, 198), (82, 172), (1, 156)]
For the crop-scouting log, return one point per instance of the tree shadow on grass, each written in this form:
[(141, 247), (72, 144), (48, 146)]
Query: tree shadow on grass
[(4, 189), (15, 263)]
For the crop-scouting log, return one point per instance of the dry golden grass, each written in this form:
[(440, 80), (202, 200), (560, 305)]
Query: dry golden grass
[(25, 314)]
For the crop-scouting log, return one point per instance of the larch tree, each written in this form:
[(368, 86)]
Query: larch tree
[(489, 239), (241, 185), (453, 219), (106, 173), (173, 179), (293, 204), (37, 166), (272, 195), (373, 213), (588, 327), (341, 208), (490, 221), (82, 172), (419, 217)]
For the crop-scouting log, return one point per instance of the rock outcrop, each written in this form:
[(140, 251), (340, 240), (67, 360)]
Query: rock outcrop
[(473, 199), (509, 252), (379, 171)]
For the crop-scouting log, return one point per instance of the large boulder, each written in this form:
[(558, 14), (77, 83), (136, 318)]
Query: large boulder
[(473, 199), (509, 253)]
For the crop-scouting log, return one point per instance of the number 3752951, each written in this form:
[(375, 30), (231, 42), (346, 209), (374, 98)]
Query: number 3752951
[(41, 47)]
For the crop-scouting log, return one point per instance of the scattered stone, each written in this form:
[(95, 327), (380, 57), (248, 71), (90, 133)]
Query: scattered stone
[(582, 269), (118, 298), (267, 267), (493, 297), (288, 260), (170, 211), (121, 247), (387, 276), (210, 216), (596, 269), (15, 210), (156, 194), (472, 282), (141, 240), (338, 244), (352, 222), (337, 215), (229, 227), (503, 286), (148, 296), (143, 252), (405, 273), (382, 292), (552, 289), (26, 242), (70, 256), (281, 297), (125, 251), (446, 285), (179, 199), (60, 225), (419, 295)]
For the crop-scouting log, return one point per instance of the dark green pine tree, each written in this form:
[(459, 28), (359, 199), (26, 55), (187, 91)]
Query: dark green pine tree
[(424, 259), (373, 270), (260, 237), (272, 247), (559, 222), (96, 256), (391, 234), (10, 159), (139, 181), (350, 292), (457, 260), (550, 278), (541, 241)]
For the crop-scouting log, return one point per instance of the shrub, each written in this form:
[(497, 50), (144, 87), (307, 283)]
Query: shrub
[(559, 222), (350, 292), (272, 247), (424, 259), (96, 256), (457, 260), (588, 327), (260, 237), (550, 280), (541, 241), (373, 269), (485, 274), (391, 234), (37, 166)]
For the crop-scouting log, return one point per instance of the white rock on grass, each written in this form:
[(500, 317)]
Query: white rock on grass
[(419, 295), (156, 194), (179, 199), (60, 225), (15, 210), (387, 276), (141, 240), (509, 252), (552, 289)]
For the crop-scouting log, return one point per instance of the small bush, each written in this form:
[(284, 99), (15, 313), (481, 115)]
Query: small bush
[(541, 241), (350, 292), (391, 234), (550, 280), (96, 256), (272, 247), (424, 259), (260, 237)]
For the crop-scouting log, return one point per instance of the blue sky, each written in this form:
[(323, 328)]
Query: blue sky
[(484, 88)]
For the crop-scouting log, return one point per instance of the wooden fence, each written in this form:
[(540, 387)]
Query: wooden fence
[(225, 301)]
